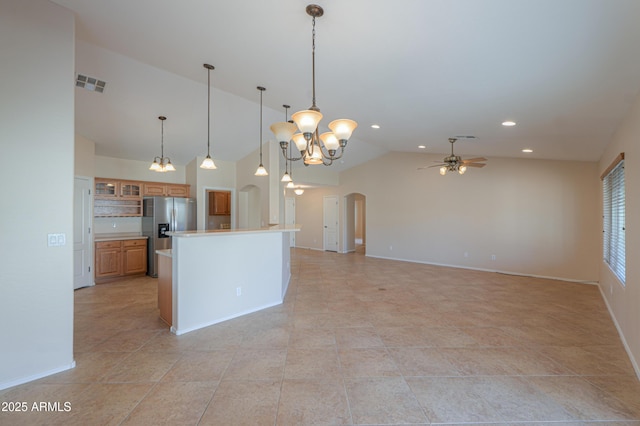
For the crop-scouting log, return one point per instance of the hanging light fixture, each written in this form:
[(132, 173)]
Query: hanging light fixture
[(261, 171), (286, 177), (299, 191), (162, 163), (314, 149), (208, 163)]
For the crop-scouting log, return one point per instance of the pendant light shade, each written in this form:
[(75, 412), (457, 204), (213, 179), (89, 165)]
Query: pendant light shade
[(208, 163), (162, 164), (261, 171)]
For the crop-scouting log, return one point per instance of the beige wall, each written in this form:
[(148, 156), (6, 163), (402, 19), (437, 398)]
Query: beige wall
[(84, 157), (624, 301), (37, 110), (201, 180), (537, 217)]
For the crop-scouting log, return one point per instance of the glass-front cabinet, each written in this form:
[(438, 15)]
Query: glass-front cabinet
[(129, 189), (107, 187)]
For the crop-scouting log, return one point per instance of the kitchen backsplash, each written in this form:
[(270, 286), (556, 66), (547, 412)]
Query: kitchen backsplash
[(116, 225)]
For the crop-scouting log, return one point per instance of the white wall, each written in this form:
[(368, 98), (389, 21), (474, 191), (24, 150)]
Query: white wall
[(37, 121), (537, 217), (624, 301)]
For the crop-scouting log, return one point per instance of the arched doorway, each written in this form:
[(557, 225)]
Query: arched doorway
[(355, 223)]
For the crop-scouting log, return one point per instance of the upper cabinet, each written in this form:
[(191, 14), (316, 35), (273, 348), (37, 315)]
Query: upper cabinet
[(123, 198), (219, 203), (117, 198), (157, 189)]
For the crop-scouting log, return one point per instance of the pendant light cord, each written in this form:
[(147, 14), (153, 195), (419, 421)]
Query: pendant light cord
[(313, 64), (208, 111)]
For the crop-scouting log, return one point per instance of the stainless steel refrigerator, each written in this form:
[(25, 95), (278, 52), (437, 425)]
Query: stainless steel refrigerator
[(161, 215)]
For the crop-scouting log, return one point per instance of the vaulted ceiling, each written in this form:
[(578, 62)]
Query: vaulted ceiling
[(565, 71)]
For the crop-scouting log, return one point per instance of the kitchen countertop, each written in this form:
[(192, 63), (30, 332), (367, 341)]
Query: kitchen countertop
[(118, 236), (220, 232)]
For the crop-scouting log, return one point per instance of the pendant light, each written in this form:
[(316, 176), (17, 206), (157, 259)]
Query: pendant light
[(261, 171), (286, 177), (162, 164), (314, 149), (208, 163)]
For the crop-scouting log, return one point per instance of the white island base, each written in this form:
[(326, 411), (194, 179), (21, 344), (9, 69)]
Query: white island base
[(223, 274)]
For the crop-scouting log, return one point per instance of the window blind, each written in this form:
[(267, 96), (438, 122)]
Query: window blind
[(613, 191)]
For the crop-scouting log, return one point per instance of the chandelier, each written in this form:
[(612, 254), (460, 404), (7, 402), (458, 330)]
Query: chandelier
[(314, 148), (162, 163)]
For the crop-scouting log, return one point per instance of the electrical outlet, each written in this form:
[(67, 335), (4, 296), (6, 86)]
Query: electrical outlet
[(493, 257), (466, 254), (390, 248), (238, 291)]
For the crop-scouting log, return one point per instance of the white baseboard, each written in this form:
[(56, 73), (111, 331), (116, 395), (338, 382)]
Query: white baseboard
[(519, 274), (634, 363), (23, 380)]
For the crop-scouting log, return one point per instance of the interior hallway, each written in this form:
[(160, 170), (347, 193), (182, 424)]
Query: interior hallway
[(357, 341)]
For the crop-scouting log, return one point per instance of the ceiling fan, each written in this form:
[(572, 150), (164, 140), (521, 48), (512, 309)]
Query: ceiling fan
[(455, 163)]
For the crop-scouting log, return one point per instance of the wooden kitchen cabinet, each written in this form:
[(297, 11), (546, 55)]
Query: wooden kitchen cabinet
[(156, 189), (108, 259), (117, 198), (219, 203), (134, 257), (119, 258)]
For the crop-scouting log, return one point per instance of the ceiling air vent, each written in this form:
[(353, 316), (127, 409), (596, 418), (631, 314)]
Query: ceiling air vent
[(90, 83)]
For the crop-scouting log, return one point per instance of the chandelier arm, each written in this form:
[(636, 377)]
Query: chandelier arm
[(288, 157)]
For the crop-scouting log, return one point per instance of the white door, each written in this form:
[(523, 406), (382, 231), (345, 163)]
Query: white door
[(290, 218), (82, 253), (330, 213)]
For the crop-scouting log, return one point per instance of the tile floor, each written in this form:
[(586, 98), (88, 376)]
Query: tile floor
[(357, 341)]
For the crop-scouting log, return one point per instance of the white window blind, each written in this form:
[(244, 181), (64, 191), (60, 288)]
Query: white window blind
[(614, 218)]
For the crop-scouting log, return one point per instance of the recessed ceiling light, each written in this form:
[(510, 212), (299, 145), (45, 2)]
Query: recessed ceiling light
[(508, 123), (527, 150), (421, 146), (375, 126)]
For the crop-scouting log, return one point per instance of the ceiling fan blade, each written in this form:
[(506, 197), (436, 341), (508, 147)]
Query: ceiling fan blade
[(474, 160), (428, 167), (475, 165)]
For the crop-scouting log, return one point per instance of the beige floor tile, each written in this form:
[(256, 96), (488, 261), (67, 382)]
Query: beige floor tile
[(173, 404), (312, 337), (472, 346), (108, 403), (358, 337), (142, 367), (199, 367), (317, 401), (256, 364), (367, 362), (312, 363), (423, 362), (385, 400), (453, 399), (584, 400), (243, 403)]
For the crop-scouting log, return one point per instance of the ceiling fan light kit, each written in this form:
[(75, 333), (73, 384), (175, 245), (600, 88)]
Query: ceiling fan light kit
[(455, 163)]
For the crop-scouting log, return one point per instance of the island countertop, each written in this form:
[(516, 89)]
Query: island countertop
[(219, 232)]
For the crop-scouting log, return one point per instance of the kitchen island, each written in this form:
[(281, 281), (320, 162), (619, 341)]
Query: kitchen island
[(217, 275)]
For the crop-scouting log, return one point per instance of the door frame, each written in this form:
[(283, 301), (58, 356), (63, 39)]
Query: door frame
[(87, 229)]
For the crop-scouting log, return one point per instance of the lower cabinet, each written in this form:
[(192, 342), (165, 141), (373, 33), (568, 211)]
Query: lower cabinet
[(118, 258)]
